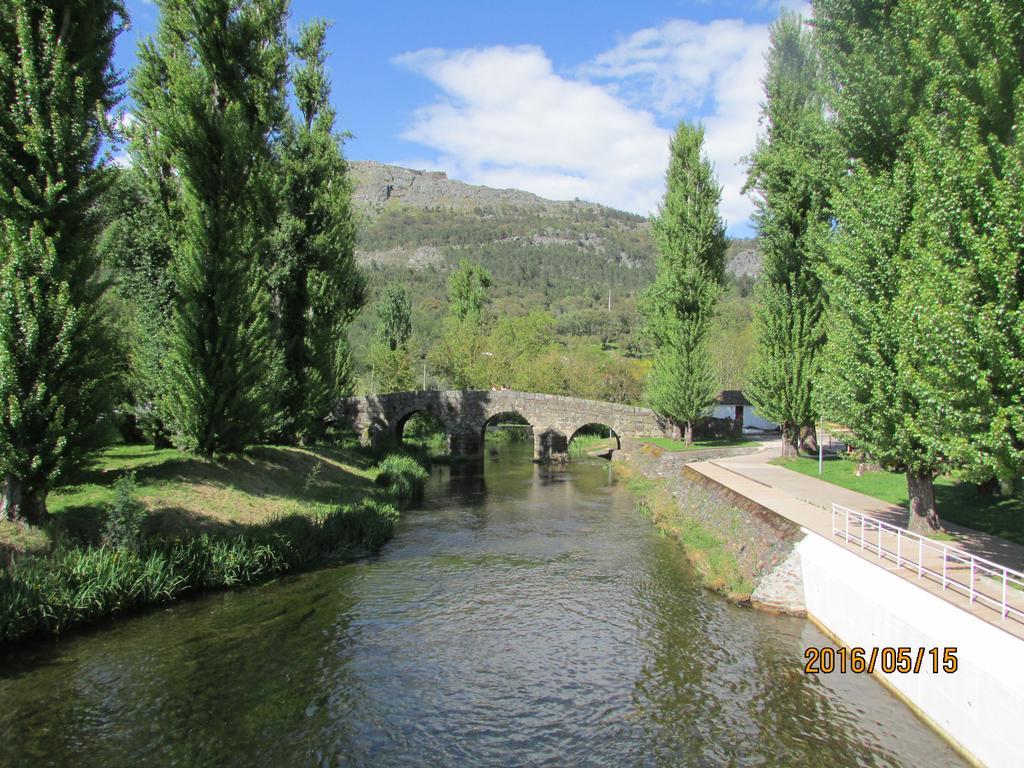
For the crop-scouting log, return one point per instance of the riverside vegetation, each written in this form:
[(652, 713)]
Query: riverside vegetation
[(705, 548), (147, 526)]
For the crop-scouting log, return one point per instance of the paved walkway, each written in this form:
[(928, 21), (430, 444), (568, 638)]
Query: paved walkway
[(808, 501)]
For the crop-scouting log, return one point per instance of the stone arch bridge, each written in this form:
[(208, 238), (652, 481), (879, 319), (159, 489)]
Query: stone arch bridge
[(465, 414)]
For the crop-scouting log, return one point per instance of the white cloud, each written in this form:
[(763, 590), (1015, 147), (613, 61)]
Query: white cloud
[(506, 119), (710, 72)]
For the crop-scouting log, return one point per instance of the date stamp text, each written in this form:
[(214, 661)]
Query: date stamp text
[(903, 660)]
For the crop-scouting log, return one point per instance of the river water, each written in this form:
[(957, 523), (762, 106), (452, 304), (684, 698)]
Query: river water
[(523, 616)]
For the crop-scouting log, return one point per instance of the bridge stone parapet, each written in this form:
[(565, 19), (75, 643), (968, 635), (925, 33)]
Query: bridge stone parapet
[(465, 413)]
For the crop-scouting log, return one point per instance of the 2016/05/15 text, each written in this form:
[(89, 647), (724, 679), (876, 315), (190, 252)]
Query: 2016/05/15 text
[(903, 660)]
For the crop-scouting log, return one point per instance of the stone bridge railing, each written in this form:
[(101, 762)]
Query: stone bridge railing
[(465, 413)]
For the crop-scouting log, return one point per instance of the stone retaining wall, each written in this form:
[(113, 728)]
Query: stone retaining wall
[(761, 541)]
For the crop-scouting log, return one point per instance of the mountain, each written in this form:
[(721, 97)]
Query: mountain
[(408, 217), (421, 218), (585, 263)]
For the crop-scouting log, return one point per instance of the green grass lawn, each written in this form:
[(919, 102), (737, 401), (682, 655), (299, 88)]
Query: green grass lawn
[(698, 445), (183, 492), (957, 502)]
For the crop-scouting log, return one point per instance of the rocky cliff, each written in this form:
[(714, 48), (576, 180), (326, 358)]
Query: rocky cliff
[(379, 185), (418, 219)]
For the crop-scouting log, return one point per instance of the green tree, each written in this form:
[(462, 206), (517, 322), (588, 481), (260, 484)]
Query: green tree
[(136, 247), (515, 344), (923, 357), (211, 86), (394, 317), (679, 305), (390, 358), (57, 84), (962, 299), (875, 92), (792, 169), (392, 369), (460, 355), (732, 342), (315, 281), (467, 291)]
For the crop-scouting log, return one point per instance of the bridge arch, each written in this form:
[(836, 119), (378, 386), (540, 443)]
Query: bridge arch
[(598, 429), (512, 420), (410, 418)]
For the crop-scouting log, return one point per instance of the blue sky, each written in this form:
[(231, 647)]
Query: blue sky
[(564, 99)]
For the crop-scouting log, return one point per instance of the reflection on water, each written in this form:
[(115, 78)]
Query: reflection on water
[(524, 616)]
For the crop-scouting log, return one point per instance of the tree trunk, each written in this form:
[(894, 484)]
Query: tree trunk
[(790, 442), (924, 518), (15, 504), (809, 438), (688, 436), (10, 502), (677, 433), (988, 487)]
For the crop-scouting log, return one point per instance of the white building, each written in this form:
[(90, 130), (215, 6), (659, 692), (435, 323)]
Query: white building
[(731, 404)]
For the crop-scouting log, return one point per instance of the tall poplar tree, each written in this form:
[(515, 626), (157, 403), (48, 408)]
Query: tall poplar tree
[(679, 305), (211, 86), (962, 304), (316, 283), (394, 317), (875, 92), (390, 357), (56, 86), (792, 169), (924, 361)]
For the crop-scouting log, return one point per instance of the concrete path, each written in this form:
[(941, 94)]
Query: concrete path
[(808, 502)]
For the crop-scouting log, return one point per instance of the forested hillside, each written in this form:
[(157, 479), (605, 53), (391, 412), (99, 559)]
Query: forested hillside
[(582, 263)]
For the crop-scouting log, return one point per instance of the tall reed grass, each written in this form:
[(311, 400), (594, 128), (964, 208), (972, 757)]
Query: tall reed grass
[(403, 476), (46, 596)]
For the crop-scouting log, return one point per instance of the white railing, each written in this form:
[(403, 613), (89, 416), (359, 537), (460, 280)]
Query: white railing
[(981, 581)]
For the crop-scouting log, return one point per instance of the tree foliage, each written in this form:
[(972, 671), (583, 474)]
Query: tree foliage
[(962, 301), (394, 317), (57, 85), (467, 291), (316, 285), (135, 246), (210, 89), (390, 356), (792, 170), (459, 356), (923, 361), (679, 305)]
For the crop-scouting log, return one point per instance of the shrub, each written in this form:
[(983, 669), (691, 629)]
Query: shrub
[(403, 476), (125, 515), (80, 584)]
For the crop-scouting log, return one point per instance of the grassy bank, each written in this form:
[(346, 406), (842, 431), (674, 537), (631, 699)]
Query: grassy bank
[(957, 502), (184, 493), (181, 524), (48, 595), (705, 549), (669, 444)]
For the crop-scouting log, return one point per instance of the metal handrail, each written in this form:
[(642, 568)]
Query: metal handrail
[(978, 567)]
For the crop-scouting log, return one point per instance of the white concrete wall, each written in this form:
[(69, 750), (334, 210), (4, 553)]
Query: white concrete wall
[(981, 705), (750, 418)]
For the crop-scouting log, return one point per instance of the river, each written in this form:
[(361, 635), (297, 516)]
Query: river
[(522, 616)]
